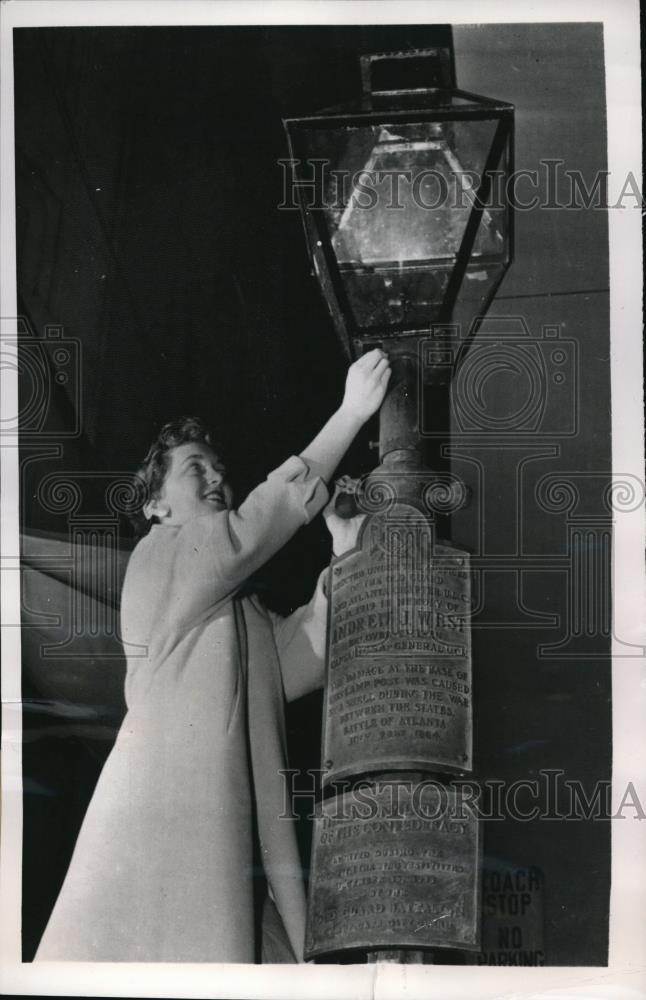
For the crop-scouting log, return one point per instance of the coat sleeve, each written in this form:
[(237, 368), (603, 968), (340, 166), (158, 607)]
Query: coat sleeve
[(301, 644), (218, 552)]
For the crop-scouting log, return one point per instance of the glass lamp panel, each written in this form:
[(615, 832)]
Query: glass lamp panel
[(475, 294), (396, 199)]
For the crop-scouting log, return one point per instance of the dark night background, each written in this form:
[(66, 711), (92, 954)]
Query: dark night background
[(147, 227)]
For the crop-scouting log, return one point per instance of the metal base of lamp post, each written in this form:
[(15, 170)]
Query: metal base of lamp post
[(401, 956)]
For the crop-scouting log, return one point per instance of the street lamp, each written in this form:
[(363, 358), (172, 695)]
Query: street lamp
[(403, 199), (402, 193)]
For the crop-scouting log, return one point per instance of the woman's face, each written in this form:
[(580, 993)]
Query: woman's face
[(195, 484)]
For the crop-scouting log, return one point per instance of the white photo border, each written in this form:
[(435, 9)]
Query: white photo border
[(625, 976)]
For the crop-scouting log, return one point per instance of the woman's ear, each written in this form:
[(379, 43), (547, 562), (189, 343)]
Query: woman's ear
[(155, 508)]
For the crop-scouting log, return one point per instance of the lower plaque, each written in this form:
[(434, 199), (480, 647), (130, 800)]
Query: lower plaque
[(395, 864)]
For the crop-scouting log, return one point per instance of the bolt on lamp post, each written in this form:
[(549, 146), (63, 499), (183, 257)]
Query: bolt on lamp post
[(409, 232)]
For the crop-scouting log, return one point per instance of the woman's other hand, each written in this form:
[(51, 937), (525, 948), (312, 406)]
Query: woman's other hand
[(344, 530)]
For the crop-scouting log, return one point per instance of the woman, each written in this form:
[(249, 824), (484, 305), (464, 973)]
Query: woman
[(192, 792)]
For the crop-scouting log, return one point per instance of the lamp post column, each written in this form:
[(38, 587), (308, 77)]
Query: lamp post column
[(390, 878)]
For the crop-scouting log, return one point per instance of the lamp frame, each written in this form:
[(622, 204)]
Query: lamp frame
[(421, 106)]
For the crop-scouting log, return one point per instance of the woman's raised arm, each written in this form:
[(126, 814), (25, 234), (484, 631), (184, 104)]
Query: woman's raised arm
[(365, 388)]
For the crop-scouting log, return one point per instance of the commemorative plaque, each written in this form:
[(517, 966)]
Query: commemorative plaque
[(395, 865), (399, 691)]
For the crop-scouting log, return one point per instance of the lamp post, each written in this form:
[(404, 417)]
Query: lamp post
[(409, 232)]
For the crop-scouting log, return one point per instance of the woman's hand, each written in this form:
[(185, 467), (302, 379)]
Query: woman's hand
[(344, 530), (366, 384), (365, 388)]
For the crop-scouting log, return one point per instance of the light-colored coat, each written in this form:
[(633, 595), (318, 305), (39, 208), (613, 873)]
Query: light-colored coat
[(162, 868)]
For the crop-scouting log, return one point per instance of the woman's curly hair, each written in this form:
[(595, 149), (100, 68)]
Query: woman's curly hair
[(149, 478)]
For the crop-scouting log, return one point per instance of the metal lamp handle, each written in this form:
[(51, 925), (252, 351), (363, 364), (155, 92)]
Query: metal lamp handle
[(408, 71)]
